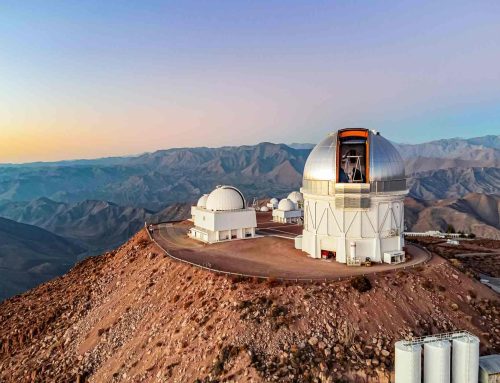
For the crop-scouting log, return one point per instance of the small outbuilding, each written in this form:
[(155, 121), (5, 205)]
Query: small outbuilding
[(222, 215), (489, 369), (297, 198), (393, 257), (273, 203), (287, 212)]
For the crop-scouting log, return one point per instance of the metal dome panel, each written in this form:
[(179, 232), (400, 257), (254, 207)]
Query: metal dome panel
[(296, 197), (385, 163), (321, 163), (202, 202), (225, 198), (286, 205)]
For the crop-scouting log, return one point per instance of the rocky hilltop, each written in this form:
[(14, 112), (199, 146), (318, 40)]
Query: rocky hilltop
[(136, 315)]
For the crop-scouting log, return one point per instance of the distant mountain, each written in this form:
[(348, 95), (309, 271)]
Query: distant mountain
[(30, 255), (95, 225), (454, 183), (302, 146), (106, 161), (158, 179), (98, 204), (474, 213), (451, 153), (452, 148)]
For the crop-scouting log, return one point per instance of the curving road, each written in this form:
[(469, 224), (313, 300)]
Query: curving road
[(267, 256)]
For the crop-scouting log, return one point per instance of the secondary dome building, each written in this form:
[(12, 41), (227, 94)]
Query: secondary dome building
[(289, 210), (222, 215), (273, 203), (354, 187)]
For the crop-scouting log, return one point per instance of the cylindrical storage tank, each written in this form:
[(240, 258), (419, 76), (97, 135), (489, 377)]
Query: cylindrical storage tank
[(353, 251), (436, 361), (408, 362), (465, 359)]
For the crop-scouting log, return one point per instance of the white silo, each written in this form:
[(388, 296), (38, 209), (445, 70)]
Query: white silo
[(408, 362), (436, 360), (465, 363)]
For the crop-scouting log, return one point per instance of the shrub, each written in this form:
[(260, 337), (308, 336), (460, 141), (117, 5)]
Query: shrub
[(361, 283), (428, 285), (237, 279), (273, 282), (143, 242)]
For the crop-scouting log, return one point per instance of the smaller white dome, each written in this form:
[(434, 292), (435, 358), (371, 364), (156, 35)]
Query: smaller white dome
[(296, 197), (286, 205), (225, 198), (264, 208), (202, 202), (274, 201)]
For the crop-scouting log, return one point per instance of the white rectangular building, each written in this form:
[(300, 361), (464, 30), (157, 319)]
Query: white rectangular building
[(221, 216)]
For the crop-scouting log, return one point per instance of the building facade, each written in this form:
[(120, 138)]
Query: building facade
[(222, 215), (353, 187)]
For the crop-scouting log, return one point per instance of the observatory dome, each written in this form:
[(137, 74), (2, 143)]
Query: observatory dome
[(296, 197), (225, 198), (202, 202), (383, 161), (286, 205)]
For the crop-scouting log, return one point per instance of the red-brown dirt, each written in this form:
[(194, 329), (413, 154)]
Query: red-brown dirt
[(135, 315)]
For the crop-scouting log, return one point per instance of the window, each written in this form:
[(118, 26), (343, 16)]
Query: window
[(352, 156)]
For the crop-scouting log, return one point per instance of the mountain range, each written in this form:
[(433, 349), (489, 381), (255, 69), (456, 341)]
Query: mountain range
[(98, 204), (30, 255), (474, 213)]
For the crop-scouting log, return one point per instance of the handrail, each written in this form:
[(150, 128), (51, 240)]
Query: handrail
[(230, 273)]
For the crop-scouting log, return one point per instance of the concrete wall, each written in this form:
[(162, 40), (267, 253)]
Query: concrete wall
[(224, 220), (214, 226)]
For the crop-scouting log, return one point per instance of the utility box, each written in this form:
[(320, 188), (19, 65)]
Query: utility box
[(298, 242), (393, 257)]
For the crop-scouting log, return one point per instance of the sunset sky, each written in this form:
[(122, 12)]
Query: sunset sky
[(84, 79)]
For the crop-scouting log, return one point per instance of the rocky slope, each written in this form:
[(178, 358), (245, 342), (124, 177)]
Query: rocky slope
[(474, 213), (135, 315), (454, 183)]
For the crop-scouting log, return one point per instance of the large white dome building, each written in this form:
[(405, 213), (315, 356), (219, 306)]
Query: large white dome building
[(354, 186), (222, 215)]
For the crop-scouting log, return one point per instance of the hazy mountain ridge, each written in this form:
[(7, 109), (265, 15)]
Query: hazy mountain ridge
[(30, 255), (71, 199), (155, 180), (465, 148), (474, 213), (454, 183), (95, 225)]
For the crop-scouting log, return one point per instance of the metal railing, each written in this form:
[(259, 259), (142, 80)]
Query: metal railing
[(440, 337), (267, 277)]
